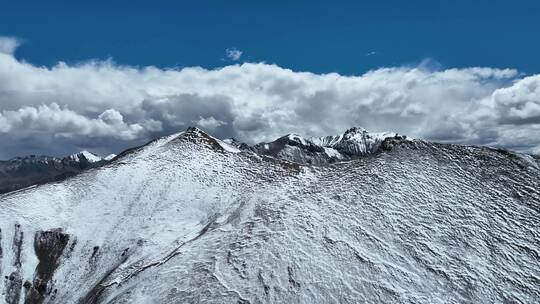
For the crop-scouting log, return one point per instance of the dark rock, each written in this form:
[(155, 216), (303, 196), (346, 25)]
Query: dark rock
[(48, 246)]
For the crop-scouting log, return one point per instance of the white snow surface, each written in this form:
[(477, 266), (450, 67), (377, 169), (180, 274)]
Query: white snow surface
[(181, 220), (227, 147), (331, 152), (109, 157)]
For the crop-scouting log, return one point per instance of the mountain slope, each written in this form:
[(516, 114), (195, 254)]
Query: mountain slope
[(189, 219)]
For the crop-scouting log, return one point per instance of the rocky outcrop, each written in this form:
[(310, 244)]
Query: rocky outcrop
[(48, 247)]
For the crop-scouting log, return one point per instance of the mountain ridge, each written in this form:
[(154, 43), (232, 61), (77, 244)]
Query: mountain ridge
[(47, 169), (356, 142)]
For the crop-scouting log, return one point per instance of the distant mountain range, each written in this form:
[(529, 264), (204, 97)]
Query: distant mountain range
[(354, 218), (21, 172), (356, 142)]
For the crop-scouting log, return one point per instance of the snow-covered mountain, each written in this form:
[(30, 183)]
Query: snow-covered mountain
[(85, 156), (354, 143), (21, 172), (191, 219)]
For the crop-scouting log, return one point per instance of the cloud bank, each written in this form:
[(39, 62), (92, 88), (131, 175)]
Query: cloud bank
[(105, 107)]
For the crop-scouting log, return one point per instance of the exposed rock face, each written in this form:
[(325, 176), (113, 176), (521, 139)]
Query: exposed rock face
[(13, 281), (48, 247), (191, 219)]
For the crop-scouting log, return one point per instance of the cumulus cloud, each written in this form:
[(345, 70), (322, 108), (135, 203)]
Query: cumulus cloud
[(210, 123), (520, 103), (64, 122), (233, 54), (105, 107)]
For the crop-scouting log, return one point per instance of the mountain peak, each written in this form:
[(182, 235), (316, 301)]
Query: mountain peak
[(197, 135), (85, 155)]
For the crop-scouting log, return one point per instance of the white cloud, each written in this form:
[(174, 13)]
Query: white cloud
[(8, 45), (64, 122), (233, 54), (210, 123), (112, 107), (519, 103)]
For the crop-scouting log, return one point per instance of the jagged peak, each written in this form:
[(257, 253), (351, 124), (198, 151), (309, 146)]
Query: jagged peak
[(355, 130)]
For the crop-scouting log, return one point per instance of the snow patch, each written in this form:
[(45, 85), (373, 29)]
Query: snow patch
[(332, 153), (109, 157), (227, 147)]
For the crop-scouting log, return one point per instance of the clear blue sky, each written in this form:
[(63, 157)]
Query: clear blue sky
[(332, 36)]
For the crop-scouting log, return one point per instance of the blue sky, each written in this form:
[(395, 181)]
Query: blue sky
[(348, 37)]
